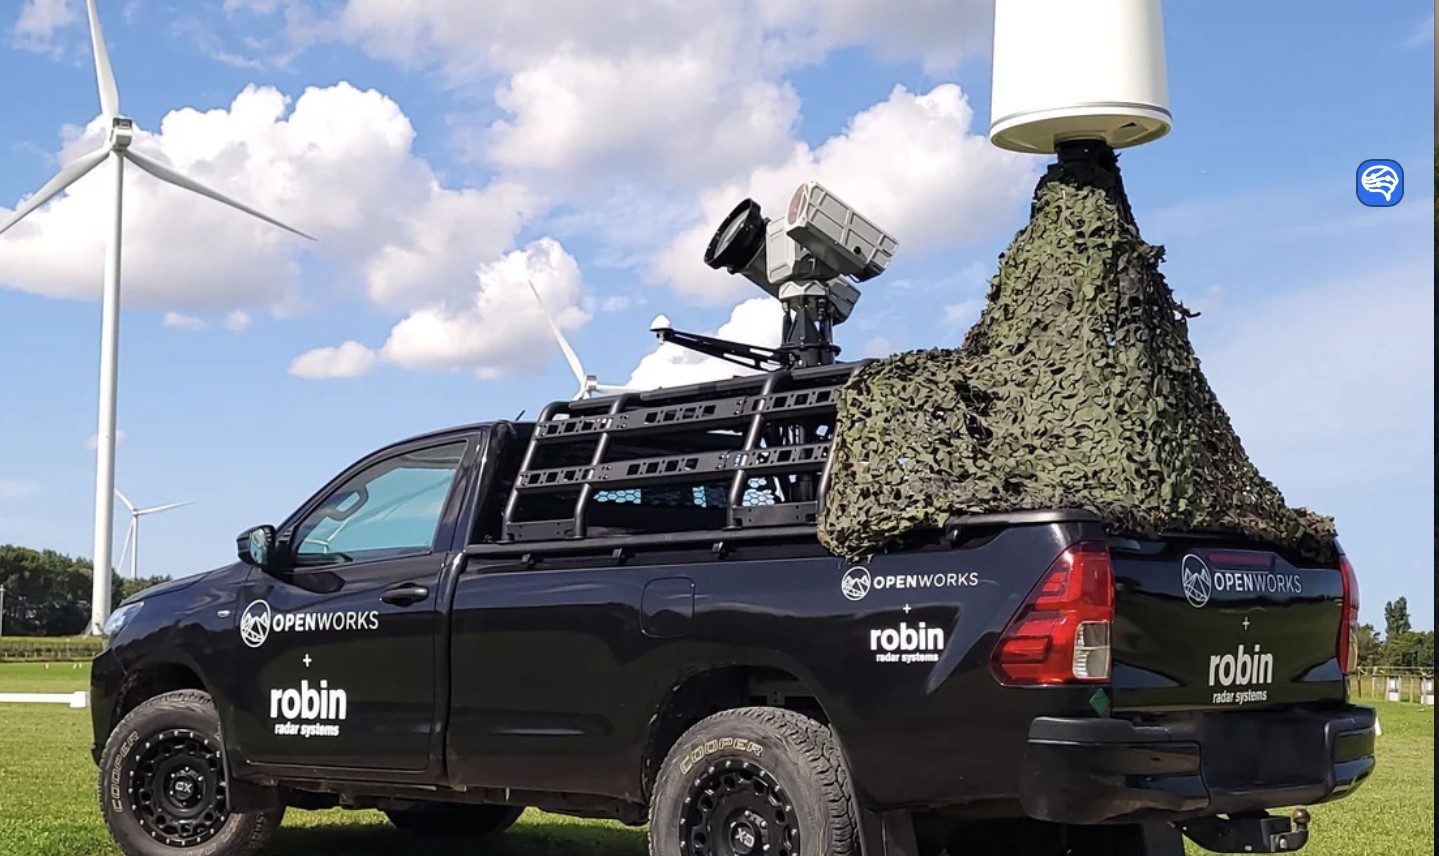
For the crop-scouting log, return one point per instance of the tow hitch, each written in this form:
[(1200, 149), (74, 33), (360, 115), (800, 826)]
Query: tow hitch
[(1257, 832)]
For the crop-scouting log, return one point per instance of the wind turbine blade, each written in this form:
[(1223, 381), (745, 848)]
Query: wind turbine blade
[(164, 173), (160, 508), (605, 387), (109, 93), (125, 499), (129, 532), (63, 179), (570, 356)]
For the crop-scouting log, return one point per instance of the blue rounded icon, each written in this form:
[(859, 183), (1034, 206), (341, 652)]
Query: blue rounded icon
[(1379, 183)]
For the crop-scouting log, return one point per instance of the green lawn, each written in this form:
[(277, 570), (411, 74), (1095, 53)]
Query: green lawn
[(48, 805)]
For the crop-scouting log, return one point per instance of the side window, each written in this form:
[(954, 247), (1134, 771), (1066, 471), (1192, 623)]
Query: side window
[(387, 510)]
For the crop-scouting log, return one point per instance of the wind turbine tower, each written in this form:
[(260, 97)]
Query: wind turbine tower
[(116, 149)]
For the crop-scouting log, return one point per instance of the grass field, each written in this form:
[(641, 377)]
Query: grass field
[(48, 805)]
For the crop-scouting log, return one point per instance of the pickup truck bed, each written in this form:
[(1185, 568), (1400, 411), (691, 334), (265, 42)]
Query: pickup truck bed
[(1021, 677)]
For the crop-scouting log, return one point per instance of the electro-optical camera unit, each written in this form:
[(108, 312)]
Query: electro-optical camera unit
[(810, 261)]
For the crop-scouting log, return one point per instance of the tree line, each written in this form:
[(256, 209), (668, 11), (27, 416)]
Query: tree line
[(1401, 646), (48, 593)]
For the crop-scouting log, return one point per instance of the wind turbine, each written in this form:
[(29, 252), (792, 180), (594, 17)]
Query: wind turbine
[(132, 535), (116, 149), (589, 385)]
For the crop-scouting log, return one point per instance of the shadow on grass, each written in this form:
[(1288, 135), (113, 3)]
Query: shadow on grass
[(529, 839)]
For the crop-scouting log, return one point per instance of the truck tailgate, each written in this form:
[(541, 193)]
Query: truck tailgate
[(1203, 626)]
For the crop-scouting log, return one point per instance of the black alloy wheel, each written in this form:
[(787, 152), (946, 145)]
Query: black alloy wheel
[(737, 808), (754, 781), (163, 785), (178, 788)]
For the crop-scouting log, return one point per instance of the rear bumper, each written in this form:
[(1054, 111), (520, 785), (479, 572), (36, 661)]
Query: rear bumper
[(1088, 771)]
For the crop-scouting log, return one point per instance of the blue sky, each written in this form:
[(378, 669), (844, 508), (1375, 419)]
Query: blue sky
[(592, 152)]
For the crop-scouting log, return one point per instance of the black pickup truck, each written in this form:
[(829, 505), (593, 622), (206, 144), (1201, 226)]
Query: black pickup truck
[(620, 609)]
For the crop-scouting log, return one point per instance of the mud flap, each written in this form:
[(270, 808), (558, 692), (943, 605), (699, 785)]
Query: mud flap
[(1160, 839), (244, 797), (888, 833)]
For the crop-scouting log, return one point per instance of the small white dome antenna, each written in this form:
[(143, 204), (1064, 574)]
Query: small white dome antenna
[(1072, 70)]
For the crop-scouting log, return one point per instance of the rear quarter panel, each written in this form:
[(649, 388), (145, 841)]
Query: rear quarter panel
[(555, 686)]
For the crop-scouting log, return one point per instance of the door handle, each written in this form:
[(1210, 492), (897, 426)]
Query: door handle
[(405, 594)]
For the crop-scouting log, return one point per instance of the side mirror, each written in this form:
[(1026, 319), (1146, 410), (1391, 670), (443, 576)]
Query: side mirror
[(256, 546)]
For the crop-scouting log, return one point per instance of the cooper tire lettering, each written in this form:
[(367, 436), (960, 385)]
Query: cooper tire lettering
[(719, 744), (115, 769)]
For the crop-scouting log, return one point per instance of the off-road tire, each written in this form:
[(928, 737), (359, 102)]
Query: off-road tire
[(174, 719), (763, 748), (452, 820)]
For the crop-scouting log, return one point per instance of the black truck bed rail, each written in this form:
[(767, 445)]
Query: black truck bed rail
[(748, 452)]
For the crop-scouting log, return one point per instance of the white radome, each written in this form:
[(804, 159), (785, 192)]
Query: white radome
[(1078, 69)]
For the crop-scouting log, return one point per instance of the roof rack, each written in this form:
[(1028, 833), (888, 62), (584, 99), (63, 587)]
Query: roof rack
[(735, 454)]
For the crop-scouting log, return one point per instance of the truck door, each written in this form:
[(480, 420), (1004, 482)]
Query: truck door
[(338, 654)]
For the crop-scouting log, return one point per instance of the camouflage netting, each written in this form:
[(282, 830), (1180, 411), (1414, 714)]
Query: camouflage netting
[(1077, 388)]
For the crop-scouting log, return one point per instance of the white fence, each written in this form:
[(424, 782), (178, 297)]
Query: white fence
[(77, 699), (1415, 686)]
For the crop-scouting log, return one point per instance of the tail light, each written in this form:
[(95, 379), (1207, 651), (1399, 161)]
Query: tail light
[(1061, 633), (1349, 624)]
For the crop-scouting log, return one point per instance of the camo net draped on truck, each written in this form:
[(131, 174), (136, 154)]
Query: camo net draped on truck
[(1077, 388)]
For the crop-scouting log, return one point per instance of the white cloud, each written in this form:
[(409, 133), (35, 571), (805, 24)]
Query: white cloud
[(911, 163), (964, 313), (496, 329), (350, 359), (1422, 35), (183, 322), (38, 22), (683, 115), (234, 321), (337, 162), (879, 346), (1207, 301), (1313, 400), (94, 440), (594, 88), (259, 7), (587, 91), (938, 33), (16, 489), (209, 43), (754, 322), (470, 37)]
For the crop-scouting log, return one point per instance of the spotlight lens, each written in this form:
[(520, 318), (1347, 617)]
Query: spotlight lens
[(727, 234), (738, 239)]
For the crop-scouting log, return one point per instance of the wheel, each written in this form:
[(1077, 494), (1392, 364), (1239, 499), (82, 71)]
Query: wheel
[(453, 819), (755, 781), (162, 784)]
